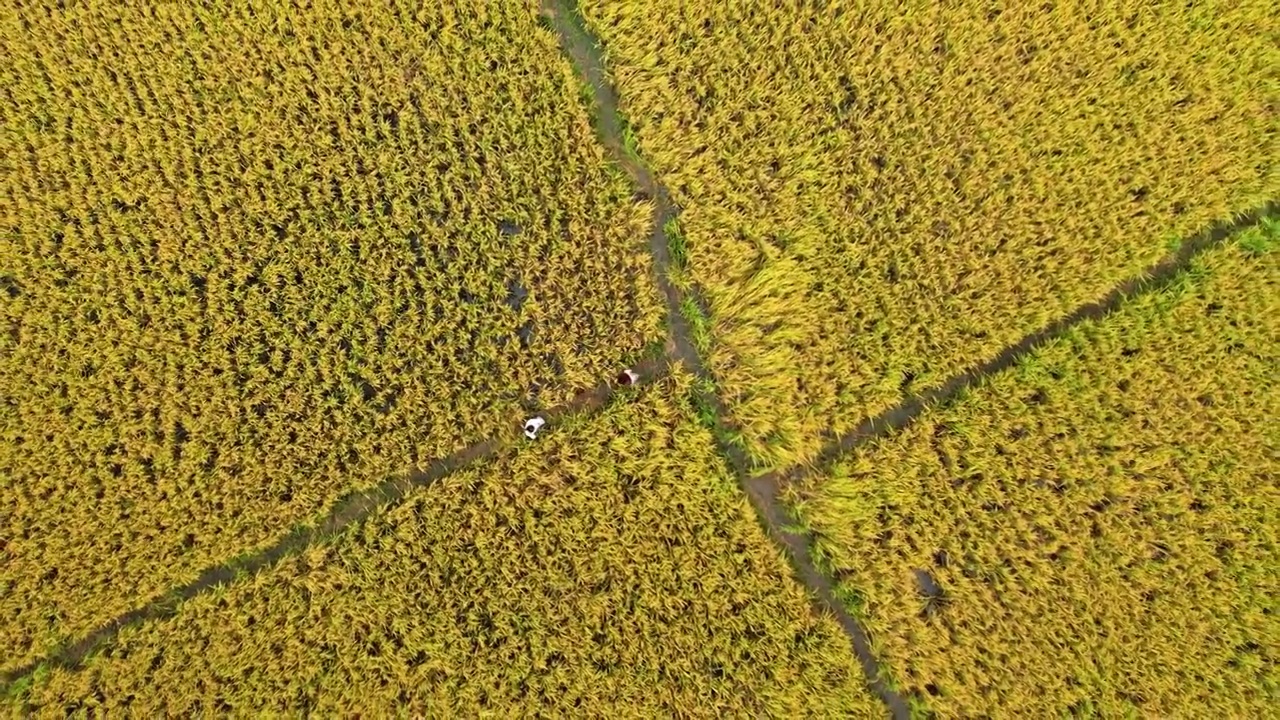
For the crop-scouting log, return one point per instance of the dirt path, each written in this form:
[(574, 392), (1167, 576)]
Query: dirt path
[(351, 510), (765, 491), (585, 53)]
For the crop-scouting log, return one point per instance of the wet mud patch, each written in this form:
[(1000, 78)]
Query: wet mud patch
[(517, 294), (931, 591)]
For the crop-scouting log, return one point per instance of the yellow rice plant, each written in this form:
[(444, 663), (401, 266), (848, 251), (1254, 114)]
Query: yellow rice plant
[(254, 255), (878, 195), (1094, 532), (611, 569)]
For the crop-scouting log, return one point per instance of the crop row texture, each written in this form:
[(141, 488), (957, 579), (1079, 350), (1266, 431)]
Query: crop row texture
[(610, 569), (1094, 532), (876, 196), (253, 256)]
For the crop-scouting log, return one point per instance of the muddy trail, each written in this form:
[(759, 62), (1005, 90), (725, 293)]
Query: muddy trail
[(587, 57), (1152, 279), (348, 512), (773, 486), (766, 492), (584, 53)]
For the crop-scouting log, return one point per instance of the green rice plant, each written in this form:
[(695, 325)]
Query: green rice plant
[(629, 143), (877, 196), (602, 571), (254, 256), (699, 324), (678, 270), (676, 244), (1093, 532)]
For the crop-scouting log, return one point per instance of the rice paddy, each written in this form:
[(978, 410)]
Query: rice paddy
[(875, 197), (254, 257), (282, 283), (1095, 532), (609, 569)]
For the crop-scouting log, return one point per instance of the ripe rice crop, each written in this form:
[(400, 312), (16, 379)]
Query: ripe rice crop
[(876, 196), (1095, 532), (609, 569), (252, 256)]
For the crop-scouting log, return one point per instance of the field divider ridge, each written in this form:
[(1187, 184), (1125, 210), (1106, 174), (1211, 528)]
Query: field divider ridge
[(585, 53), (774, 485), (349, 511), (1158, 276)]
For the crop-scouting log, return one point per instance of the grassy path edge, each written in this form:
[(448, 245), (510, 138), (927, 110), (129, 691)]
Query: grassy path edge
[(351, 510), (1152, 279), (775, 485), (686, 317)]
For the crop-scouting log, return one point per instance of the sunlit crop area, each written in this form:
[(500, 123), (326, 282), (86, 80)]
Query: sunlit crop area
[(281, 281), (253, 256), (1095, 532), (610, 569), (876, 196)]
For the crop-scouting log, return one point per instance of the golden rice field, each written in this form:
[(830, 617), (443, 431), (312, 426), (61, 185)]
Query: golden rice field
[(257, 256), (253, 256), (610, 569), (878, 195), (1094, 532)]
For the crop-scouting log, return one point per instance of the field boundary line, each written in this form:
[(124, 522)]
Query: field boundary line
[(585, 54), (775, 484), (1155, 277), (348, 512)]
